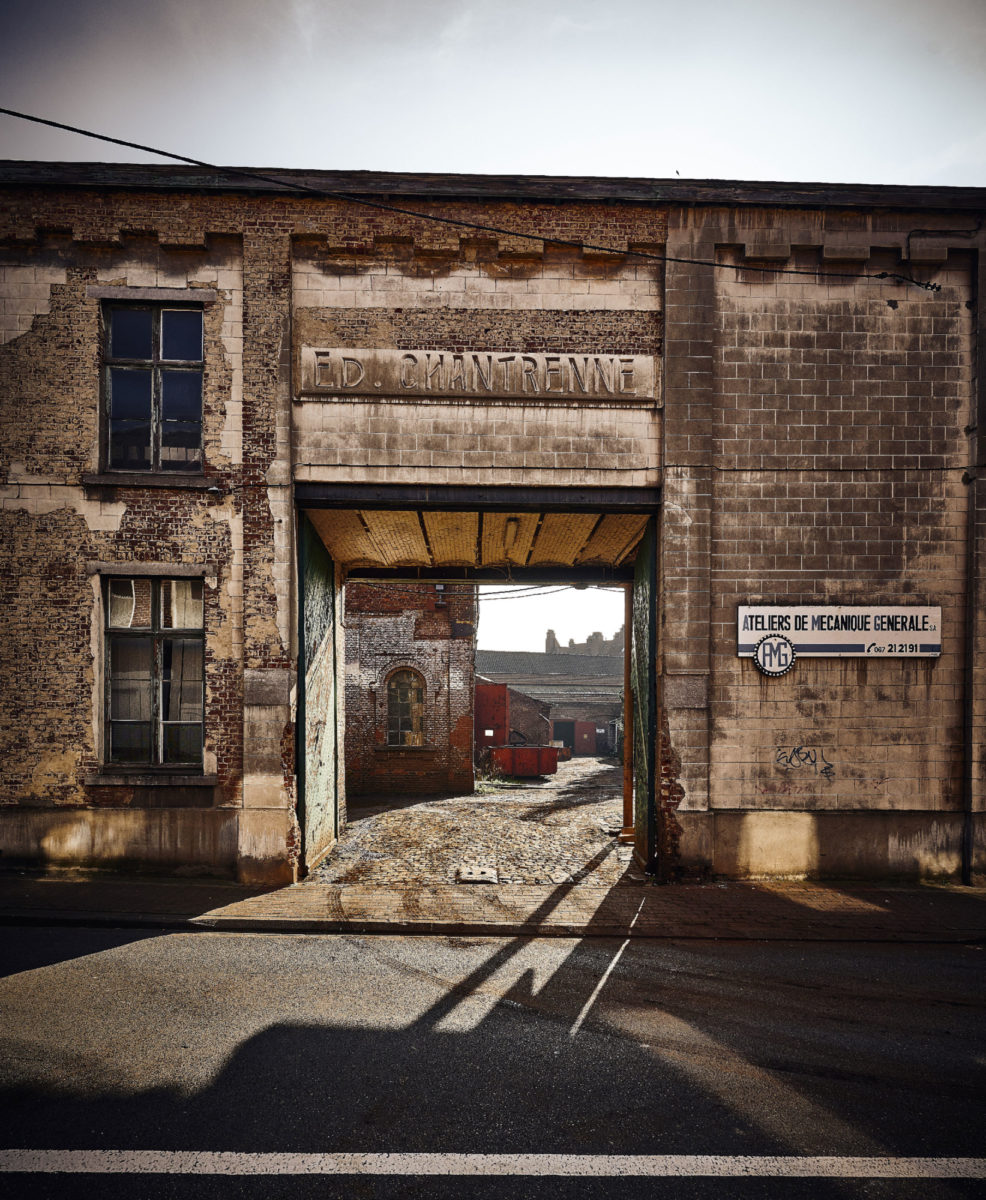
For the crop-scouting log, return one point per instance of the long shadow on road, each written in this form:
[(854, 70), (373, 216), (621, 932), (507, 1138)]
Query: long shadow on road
[(626, 1048), (520, 1080)]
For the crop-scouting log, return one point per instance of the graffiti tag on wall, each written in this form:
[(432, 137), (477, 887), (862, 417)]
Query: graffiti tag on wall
[(804, 758)]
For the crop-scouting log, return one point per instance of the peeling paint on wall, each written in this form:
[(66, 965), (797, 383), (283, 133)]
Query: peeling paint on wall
[(26, 292), (38, 497)]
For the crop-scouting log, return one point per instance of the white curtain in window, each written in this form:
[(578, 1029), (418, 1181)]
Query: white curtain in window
[(122, 603)]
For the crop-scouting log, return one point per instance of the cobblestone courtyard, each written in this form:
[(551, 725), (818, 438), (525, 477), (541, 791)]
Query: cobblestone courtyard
[(553, 830)]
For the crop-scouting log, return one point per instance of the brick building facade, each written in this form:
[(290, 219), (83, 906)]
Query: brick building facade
[(222, 399), (409, 688)]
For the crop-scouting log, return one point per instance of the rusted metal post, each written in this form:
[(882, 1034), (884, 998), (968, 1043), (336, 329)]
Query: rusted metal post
[(626, 833)]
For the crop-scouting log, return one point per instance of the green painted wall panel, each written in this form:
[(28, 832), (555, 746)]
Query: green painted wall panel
[(317, 712), (643, 654)]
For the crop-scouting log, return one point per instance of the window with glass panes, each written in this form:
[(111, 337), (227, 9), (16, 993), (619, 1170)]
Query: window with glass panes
[(154, 671), (153, 367), (405, 709)]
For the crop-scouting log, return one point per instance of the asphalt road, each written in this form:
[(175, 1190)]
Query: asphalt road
[(277, 1045)]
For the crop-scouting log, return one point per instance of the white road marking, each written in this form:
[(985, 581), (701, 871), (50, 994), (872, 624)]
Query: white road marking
[(206, 1162), (602, 982)]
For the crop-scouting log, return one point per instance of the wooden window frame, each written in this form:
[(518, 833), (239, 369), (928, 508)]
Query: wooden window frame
[(156, 364), (158, 634), (397, 737)]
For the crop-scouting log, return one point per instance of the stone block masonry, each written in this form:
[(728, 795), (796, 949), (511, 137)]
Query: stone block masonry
[(838, 457), (600, 440), (827, 466)]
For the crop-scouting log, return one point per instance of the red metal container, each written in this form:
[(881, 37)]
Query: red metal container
[(547, 760), (525, 762), (502, 757)]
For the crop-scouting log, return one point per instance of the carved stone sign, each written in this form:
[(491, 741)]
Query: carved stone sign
[(816, 630), (626, 378)]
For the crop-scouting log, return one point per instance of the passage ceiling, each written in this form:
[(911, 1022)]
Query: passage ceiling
[(388, 539)]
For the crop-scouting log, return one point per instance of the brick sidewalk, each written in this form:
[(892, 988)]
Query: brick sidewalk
[(734, 910)]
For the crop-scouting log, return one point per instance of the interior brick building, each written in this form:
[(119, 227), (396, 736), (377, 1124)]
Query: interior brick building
[(225, 400), (409, 688)]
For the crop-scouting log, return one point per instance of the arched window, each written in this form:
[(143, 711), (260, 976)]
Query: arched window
[(405, 709)]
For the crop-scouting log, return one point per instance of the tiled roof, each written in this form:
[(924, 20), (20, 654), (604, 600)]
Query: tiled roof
[(574, 693), (529, 662), (434, 185)]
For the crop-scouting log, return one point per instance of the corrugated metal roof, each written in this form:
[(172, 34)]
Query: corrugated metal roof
[(427, 185)]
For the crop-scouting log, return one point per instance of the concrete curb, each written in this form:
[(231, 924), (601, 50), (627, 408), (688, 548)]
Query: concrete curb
[(715, 912)]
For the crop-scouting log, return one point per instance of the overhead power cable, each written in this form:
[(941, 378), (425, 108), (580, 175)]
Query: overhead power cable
[(326, 193), (518, 592)]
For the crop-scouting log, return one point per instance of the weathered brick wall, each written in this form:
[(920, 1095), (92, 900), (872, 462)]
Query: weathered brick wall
[(242, 250), (343, 227), (26, 290), (61, 528), (50, 369), (406, 626), (56, 244), (529, 719), (818, 444), (269, 658), (815, 443)]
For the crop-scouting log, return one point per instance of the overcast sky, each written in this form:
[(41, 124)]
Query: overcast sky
[(520, 619), (874, 91), (850, 91)]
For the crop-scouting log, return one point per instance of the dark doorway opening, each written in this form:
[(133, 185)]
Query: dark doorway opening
[(565, 732)]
